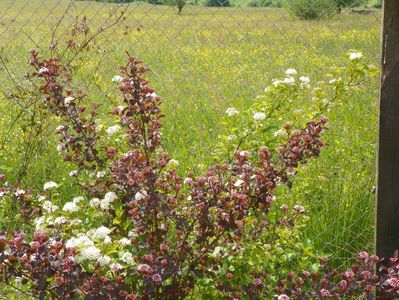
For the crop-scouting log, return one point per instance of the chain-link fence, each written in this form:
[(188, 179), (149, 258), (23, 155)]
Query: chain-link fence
[(208, 57)]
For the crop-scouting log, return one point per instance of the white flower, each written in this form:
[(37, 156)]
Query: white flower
[(50, 185), (140, 195), (173, 163), (71, 207), (279, 132), (218, 251), (355, 55), (60, 128), (299, 208), (267, 89), (43, 70), (49, 207), (60, 220), (113, 129), (60, 147), (244, 153), (231, 111), (304, 79), (89, 253), (291, 72), (283, 297), (79, 242), (105, 205), (39, 222), (104, 260), (19, 193), (41, 198), (107, 240), (127, 257), (276, 82), (289, 80), (238, 183), (73, 173), (117, 78), (68, 100), (78, 199), (94, 202), (100, 174), (259, 116), (110, 197), (101, 233), (124, 242)]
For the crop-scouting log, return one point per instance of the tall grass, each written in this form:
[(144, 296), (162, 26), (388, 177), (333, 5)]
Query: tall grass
[(218, 58)]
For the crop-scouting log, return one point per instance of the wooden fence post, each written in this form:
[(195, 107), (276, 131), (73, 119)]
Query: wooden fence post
[(387, 217)]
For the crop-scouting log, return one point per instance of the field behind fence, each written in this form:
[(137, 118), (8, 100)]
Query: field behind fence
[(203, 61)]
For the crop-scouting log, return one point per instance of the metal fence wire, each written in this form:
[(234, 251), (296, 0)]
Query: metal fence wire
[(212, 55)]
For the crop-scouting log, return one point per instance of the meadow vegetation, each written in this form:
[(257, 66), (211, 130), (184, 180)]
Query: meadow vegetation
[(203, 62)]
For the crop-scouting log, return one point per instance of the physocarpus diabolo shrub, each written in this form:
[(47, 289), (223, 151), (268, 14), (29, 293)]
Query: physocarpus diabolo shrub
[(139, 231)]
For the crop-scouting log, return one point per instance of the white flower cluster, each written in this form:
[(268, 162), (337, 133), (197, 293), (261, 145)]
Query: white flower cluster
[(305, 81), (173, 163), (68, 100), (290, 80), (100, 174), (259, 116), (127, 258), (280, 132), (41, 222), (104, 260), (89, 253), (49, 207), (101, 233), (43, 70), (117, 78), (113, 129), (60, 220), (239, 183), (218, 252), (44, 221), (355, 56), (140, 195), (124, 242), (105, 203), (86, 248), (50, 185), (231, 111), (73, 206), (291, 72)]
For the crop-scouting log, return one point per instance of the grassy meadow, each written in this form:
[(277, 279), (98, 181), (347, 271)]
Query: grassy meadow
[(204, 61)]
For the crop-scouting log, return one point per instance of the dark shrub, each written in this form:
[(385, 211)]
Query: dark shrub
[(265, 3), (311, 9), (218, 3)]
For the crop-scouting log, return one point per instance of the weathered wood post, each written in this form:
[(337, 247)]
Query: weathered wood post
[(387, 223)]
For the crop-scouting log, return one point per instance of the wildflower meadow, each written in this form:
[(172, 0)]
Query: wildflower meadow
[(144, 160)]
